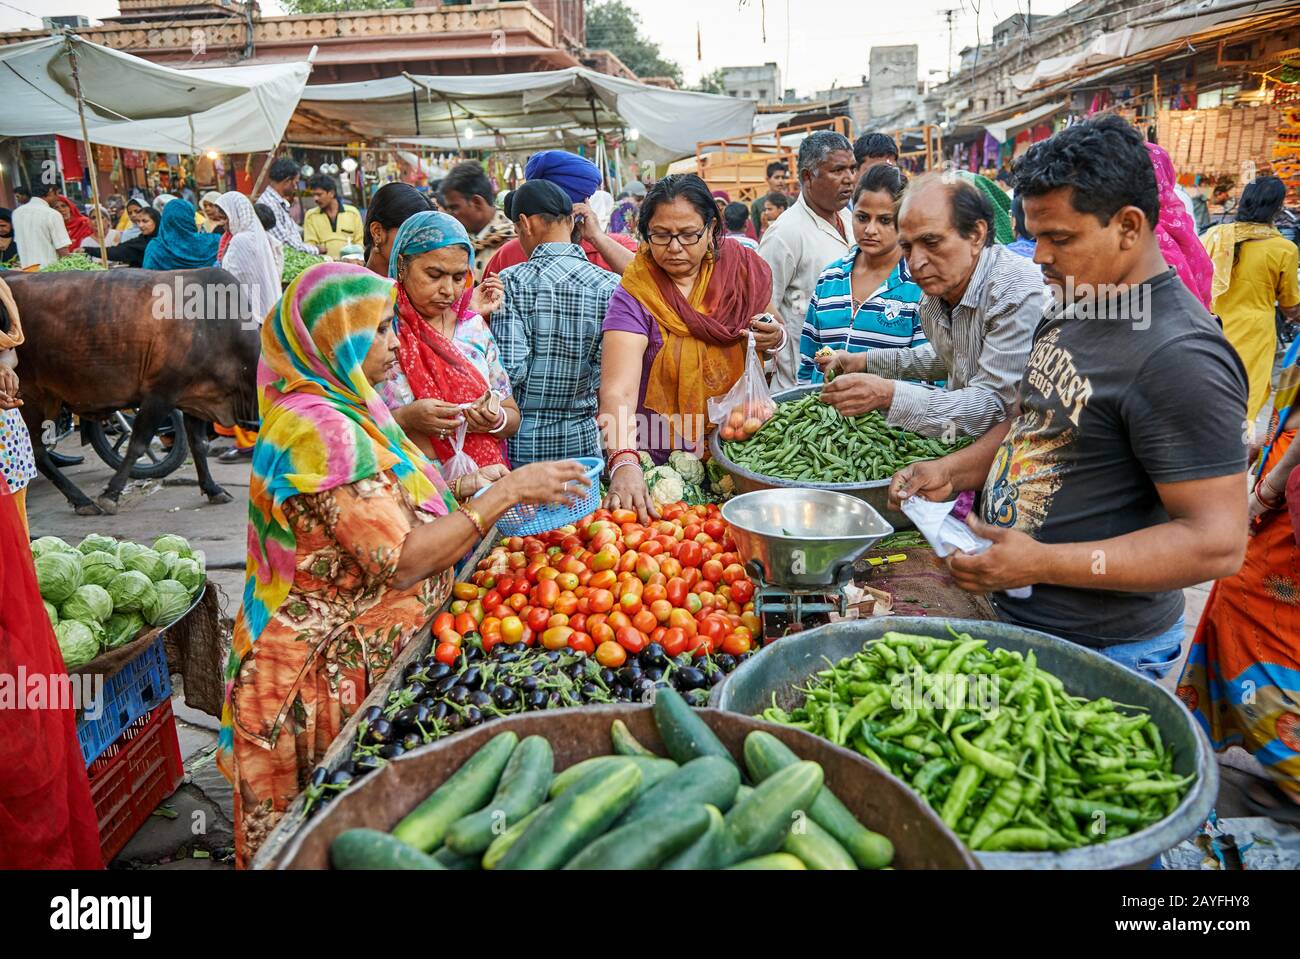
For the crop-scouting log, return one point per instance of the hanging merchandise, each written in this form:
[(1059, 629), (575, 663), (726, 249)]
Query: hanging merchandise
[(70, 164)]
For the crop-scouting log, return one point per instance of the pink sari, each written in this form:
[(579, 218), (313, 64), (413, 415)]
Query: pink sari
[(1176, 231)]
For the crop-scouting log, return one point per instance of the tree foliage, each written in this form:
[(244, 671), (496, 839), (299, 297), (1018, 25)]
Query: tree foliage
[(711, 82), (613, 25)]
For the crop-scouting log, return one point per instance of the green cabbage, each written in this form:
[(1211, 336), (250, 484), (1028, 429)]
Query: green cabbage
[(121, 628), (88, 603), (51, 612), (50, 544), (100, 568), (170, 559), (78, 642), (173, 543), (169, 602), (187, 573), (58, 575), (128, 551), (150, 563), (95, 543), (130, 591)]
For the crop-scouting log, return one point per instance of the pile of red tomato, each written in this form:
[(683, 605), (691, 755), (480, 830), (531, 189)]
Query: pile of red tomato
[(609, 586)]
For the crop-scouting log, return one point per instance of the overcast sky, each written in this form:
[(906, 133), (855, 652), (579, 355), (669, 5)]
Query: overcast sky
[(815, 42)]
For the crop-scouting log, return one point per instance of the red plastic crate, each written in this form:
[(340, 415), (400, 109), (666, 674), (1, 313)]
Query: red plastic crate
[(132, 776)]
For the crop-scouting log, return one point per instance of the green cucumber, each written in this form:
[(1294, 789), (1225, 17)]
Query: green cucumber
[(468, 789), (372, 849), (522, 789), (646, 843), (707, 851), (816, 848), (454, 860), (652, 769), (685, 734), (625, 744), (576, 818), (758, 823), (502, 843), (776, 860), (765, 755), (708, 779)]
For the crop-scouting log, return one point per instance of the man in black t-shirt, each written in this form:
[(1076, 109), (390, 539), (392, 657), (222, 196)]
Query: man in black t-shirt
[(1119, 479)]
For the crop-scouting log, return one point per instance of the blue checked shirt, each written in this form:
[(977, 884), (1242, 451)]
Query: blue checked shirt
[(549, 333), (889, 319)]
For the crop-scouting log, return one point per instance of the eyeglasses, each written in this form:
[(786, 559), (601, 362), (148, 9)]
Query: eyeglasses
[(685, 239)]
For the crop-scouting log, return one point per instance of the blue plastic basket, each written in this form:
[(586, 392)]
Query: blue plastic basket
[(136, 688), (525, 520)]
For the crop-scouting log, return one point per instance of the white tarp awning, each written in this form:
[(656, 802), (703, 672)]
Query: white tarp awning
[(138, 105), (516, 109), (1178, 24), (1001, 129)]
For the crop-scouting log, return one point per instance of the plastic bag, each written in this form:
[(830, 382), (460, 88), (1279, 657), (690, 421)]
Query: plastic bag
[(948, 534), (461, 463), (742, 410)]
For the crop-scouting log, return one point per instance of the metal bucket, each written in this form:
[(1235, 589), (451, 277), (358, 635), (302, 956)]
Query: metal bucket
[(788, 662), (882, 803), (803, 537), (874, 492)]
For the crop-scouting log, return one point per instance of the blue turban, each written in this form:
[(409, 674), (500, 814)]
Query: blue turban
[(575, 175)]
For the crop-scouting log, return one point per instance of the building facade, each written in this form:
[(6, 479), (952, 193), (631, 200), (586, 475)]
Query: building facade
[(761, 83)]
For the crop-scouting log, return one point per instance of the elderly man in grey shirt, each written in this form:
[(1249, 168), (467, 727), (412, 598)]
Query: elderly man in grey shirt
[(982, 304)]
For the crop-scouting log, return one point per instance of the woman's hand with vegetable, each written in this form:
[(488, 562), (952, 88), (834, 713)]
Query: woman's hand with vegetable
[(627, 490)]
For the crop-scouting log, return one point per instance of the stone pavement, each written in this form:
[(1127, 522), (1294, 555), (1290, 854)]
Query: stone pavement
[(197, 818)]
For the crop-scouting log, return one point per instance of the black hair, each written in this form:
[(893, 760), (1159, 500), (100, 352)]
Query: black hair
[(969, 206), (283, 169), (882, 178), (323, 182), (469, 180), (777, 165), (391, 206), (1261, 201), (778, 200), (1103, 160), (817, 147), (265, 215), (21, 190), (736, 215), (874, 145), (1018, 217), (685, 186)]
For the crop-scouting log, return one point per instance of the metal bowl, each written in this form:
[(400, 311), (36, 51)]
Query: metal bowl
[(874, 492), (788, 662), (881, 802), (803, 537)]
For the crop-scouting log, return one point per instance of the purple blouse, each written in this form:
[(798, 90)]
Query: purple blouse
[(627, 315)]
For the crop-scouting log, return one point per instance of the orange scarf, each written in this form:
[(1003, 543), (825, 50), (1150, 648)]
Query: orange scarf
[(703, 352)]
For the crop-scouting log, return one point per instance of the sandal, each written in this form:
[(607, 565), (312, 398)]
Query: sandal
[(1268, 800)]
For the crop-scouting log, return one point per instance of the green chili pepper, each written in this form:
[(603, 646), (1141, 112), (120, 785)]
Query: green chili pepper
[(992, 764), (891, 751), (1157, 787), (999, 811), (1021, 839)]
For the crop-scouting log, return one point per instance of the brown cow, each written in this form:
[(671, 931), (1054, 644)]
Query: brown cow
[(100, 341)]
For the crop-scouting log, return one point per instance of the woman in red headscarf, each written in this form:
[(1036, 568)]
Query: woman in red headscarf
[(77, 223)]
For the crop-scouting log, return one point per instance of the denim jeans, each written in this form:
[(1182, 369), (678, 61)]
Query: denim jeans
[(1154, 657)]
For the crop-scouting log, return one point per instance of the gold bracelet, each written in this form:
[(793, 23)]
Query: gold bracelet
[(474, 518), (455, 488)]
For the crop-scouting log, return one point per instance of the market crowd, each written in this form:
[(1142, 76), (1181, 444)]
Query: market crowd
[(481, 345)]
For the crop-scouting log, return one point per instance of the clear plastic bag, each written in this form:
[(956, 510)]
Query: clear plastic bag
[(461, 463), (743, 409)]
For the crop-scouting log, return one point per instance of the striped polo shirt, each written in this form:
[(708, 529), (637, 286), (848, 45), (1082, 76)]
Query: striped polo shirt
[(888, 319)]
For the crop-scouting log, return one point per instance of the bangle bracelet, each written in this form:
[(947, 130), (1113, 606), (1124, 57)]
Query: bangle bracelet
[(624, 458), (455, 487), (615, 468), (1274, 504), (626, 452), (501, 424), (474, 518)]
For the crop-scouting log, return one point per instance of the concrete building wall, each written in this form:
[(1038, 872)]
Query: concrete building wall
[(893, 78), (760, 82)]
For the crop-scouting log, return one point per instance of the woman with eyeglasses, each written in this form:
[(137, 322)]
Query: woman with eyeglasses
[(675, 333)]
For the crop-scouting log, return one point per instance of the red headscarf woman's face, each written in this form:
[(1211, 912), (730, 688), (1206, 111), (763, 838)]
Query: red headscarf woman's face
[(63, 210)]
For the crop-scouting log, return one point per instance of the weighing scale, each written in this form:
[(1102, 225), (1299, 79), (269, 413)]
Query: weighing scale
[(800, 545)]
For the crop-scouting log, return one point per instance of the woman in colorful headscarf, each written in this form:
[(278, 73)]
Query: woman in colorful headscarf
[(179, 245), (351, 537), (1176, 231), (77, 223), (676, 333), (451, 372), (1254, 271), (1242, 678)]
